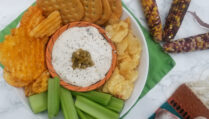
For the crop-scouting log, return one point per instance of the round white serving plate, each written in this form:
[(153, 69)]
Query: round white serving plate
[(139, 84)]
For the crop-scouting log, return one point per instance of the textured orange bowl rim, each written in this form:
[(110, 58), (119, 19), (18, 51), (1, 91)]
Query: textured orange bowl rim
[(49, 57)]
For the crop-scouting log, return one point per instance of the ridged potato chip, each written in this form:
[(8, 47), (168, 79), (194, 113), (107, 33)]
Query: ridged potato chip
[(24, 56), (13, 81), (39, 85), (30, 21), (48, 26)]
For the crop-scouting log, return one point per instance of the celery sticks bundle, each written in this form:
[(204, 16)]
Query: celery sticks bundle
[(76, 105)]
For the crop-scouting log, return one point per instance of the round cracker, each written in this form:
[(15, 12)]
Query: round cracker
[(116, 7), (93, 10), (106, 13)]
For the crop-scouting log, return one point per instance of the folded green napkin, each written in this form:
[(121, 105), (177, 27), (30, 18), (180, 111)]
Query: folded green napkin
[(159, 65)]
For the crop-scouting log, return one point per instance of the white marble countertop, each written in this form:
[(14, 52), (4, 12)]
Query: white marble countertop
[(189, 66)]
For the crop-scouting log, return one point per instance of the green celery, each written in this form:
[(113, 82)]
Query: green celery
[(38, 102), (67, 103), (94, 109), (53, 97), (115, 104), (99, 97)]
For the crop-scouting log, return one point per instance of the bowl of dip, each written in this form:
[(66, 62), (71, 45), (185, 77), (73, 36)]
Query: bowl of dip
[(81, 55)]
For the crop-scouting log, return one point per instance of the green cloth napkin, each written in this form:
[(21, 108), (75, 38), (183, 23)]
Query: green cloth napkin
[(159, 65)]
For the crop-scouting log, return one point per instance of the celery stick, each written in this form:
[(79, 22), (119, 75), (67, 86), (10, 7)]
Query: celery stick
[(84, 115), (94, 109), (53, 97), (101, 98), (38, 102), (115, 104), (81, 114), (89, 116), (67, 103)]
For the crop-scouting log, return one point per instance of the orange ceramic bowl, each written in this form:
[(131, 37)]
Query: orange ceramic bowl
[(49, 57)]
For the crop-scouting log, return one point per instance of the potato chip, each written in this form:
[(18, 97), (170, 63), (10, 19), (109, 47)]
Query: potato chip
[(134, 45), (136, 58), (13, 81), (93, 10), (48, 26), (106, 12), (115, 79), (123, 90), (70, 10), (117, 32), (123, 57), (105, 86), (126, 65), (128, 21), (118, 86), (131, 75), (23, 56), (122, 46), (28, 90), (39, 85), (31, 20)]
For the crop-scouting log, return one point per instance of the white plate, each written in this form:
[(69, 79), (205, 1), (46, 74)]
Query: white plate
[(139, 84)]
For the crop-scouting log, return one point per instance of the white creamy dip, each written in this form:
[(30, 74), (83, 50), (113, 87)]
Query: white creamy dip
[(86, 38)]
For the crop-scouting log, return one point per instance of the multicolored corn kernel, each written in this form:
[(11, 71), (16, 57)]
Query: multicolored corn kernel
[(199, 42), (153, 18), (175, 18)]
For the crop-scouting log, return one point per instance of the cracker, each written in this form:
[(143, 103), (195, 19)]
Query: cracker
[(70, 10), (106, 12), (116, 7), (93, 10)]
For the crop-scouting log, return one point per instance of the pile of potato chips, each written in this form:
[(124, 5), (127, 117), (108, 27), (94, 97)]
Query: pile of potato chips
[(23, 51), (95, 11), (128, 47)]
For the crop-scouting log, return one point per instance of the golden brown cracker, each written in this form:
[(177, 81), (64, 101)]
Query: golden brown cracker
[(93, 10), (70, 10), (106, 12), (117, 10)]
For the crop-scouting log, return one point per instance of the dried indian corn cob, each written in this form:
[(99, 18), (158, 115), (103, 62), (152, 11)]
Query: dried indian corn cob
[(199, 42), (175, 18), (153, 18)]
